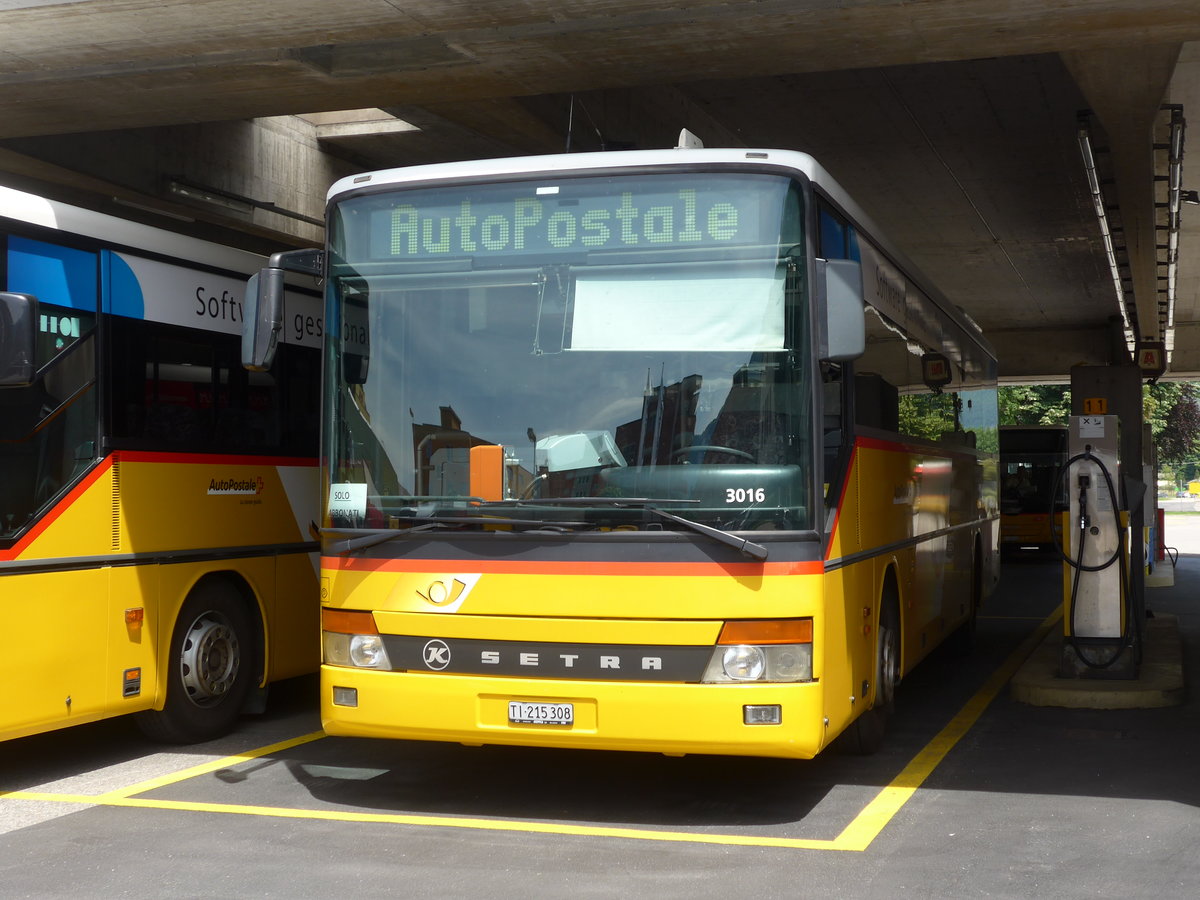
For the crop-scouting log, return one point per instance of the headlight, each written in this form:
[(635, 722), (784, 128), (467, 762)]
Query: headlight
[(763, 663), (336, 648), (743, 663), (365, 651)]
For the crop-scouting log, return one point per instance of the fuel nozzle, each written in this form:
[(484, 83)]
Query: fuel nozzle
[(1085, 481)]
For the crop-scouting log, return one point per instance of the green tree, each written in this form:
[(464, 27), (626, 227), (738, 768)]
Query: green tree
[(1176, 438), (1157, 402), (926, 415), (1034, 404)]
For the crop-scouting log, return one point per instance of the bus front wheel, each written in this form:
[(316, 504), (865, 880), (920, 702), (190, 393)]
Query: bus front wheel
[(210, 668), (865, 734)]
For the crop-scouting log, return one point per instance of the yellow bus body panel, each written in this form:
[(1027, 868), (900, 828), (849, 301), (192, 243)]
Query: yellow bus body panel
[(665, 718), (914, 515), (521, 628), (67, 648), (605, 609)]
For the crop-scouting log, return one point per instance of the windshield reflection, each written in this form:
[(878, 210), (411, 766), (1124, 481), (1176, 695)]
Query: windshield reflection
[(673, 380)]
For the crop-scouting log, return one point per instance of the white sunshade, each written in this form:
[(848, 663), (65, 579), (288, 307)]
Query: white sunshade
[(635, 312)]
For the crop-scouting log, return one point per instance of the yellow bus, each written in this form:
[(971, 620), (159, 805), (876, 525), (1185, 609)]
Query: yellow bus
[(155, 497), (1030, 517), (613, 455)]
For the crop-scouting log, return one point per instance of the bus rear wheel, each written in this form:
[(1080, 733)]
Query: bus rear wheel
[(210, 668)]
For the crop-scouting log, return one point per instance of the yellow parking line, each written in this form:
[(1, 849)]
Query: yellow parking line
[(227, 762), (866, 826), (435, 821), (857, 836)]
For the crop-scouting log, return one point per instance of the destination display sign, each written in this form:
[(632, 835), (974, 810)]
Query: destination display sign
[(571, 215)]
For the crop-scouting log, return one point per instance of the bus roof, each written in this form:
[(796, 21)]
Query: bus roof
[(579, 163), (35, 210), (582, 162)]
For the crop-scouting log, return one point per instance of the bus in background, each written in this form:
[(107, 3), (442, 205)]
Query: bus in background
[(612, 455), (1030, 458), (155, 498)]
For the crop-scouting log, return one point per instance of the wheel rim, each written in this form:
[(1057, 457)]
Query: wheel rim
[(888, 649), (209, 659)]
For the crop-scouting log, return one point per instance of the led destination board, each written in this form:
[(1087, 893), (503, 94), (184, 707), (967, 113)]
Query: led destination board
[(642, 212)]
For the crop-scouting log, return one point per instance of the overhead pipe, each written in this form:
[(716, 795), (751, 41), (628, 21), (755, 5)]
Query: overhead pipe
[(1089, 166), (1174, 205)]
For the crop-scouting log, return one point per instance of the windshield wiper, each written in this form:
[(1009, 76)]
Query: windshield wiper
[(428, 523), (751, 549), (370, 539)]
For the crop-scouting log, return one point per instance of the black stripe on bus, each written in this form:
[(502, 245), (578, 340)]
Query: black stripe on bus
[(161, 557), (864, 555)]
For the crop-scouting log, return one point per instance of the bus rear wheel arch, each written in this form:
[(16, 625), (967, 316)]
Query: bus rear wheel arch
[(211, 667)]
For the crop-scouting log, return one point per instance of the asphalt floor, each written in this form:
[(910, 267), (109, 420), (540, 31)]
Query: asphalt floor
[(975, 794)]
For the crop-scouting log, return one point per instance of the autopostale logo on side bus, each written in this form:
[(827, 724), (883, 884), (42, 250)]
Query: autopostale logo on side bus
[(248, 485), (595, 662)]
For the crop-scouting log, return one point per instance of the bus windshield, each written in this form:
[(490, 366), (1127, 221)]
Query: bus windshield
[(546, 349)]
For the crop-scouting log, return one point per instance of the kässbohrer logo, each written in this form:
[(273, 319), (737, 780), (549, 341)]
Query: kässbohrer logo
[(251, 485), (436, 654)]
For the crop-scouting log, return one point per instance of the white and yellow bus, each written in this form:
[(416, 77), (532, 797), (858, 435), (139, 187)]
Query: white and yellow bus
[(155, 498), (657, 450)]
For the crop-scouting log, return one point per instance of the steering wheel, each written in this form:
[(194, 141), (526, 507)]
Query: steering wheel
[(712, 448)]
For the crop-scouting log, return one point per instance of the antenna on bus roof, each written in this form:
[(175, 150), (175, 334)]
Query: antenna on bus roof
[(688, 141)]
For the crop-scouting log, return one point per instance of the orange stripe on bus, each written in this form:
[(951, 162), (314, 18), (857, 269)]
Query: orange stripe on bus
[(509, 567), (47, 520), (212, 459), (143, 456)]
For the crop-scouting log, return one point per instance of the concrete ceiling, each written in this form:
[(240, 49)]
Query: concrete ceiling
[(954, 122)]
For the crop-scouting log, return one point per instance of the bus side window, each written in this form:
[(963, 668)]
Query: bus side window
[(834, 427), (837, 237), (832, 236), (876, 402)]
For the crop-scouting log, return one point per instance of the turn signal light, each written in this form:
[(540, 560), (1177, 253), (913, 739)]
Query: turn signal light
[(344, 621), (767, 631)]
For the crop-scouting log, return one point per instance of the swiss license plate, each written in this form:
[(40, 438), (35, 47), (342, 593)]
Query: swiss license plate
[(524, 713)]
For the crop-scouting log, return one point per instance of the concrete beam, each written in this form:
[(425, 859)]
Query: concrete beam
[(275, 163), (1048, 355), (1185, 360), (169, 61)]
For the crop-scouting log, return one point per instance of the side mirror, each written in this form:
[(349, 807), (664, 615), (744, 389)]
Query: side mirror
[(18, 338), (262, 309), (262, 319), (841, 315)]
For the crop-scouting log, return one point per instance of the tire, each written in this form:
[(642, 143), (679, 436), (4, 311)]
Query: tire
[(866, 733), (209, 670)]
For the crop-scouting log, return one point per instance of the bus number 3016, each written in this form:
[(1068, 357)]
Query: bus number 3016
[(745, 495)]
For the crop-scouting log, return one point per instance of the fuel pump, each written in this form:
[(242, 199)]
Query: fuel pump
[(1096, 614)]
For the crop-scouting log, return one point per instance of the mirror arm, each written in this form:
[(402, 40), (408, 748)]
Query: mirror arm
[(309, 261)]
